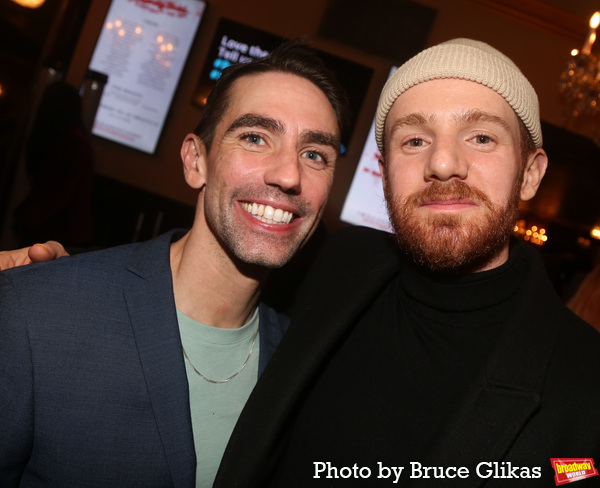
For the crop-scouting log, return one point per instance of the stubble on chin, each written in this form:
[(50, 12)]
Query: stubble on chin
[(260, 250)]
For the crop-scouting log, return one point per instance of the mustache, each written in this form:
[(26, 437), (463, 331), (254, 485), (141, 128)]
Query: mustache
[(453, 189)]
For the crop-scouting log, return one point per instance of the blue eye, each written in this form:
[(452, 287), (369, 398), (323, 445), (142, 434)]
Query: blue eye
[(315, 156)]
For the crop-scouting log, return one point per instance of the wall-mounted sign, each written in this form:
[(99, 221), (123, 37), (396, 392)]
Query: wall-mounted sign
[(142, 48), (365, 203), (237, 43), (232, 43)]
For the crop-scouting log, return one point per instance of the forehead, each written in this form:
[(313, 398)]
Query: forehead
[(450, 98), (291, 99)]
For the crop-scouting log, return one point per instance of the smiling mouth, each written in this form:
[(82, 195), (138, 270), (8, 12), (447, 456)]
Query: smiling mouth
[(268, 214)]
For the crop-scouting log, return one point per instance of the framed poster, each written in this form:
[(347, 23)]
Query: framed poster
[(142, 48)]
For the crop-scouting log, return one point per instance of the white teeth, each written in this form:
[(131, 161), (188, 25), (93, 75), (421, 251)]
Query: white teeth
[(268, 214)]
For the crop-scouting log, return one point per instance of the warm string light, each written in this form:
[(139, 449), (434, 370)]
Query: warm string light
[(583, 242), (534, 234), (594, 234)]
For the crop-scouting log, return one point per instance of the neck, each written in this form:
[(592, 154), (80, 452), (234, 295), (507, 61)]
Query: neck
[(480, 264), (467, 292), (208, 286)]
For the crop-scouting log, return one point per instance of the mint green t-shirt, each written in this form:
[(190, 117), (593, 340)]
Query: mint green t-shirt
[(217, 354)]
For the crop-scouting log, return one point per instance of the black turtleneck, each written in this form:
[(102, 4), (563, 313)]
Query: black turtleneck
[(400, 371)]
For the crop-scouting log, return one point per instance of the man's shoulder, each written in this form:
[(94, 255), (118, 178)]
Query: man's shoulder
[(101, 265), (86, 262), (571, 394), (354, 261), (362, 234), (578, 342), (350, 242), (353, 251)]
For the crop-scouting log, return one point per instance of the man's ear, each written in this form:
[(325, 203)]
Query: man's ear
[(535, 169), (193, 156)]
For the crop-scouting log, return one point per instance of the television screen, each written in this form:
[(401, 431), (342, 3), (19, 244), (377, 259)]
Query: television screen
[(365, 203), (142, 48), (237, 43), (232, 43)]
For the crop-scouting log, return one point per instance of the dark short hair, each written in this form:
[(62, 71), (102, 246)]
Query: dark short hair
[(294, 57)]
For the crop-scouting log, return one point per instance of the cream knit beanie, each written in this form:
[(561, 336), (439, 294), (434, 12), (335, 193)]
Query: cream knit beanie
[(470, 60)]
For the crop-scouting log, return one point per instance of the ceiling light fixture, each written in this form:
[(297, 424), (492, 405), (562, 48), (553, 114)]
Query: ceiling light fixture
[(30, 3), (580, 82)]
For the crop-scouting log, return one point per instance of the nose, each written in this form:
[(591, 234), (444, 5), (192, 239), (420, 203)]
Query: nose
[(445, 162), (284, 171)]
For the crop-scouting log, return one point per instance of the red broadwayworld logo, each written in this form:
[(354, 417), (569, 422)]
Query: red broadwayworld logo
[(567, 470)]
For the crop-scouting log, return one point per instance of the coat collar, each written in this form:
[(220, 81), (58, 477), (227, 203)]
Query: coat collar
[(151, 307)]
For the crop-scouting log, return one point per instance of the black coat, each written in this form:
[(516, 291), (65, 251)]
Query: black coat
[(540, 398)]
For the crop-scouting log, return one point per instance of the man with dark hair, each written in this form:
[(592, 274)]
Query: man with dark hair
[(452, 362), (129, 367), (293, 57)]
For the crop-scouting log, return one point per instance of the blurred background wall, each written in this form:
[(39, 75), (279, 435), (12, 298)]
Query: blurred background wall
[(138, 195)]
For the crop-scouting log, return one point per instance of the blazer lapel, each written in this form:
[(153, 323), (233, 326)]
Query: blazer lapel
[(509, 390), (151, 307)]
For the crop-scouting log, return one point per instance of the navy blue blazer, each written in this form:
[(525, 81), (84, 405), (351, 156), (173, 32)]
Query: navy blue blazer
[(93, 389)]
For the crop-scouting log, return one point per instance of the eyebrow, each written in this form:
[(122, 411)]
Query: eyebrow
[(255, 120), (470, 116), (416, 118), (321, 138), (482, 116), (269, 123)]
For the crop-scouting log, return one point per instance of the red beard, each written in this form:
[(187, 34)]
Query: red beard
[(453, 243)]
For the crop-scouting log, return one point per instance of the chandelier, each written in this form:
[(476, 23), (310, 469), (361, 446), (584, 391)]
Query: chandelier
[(580, 82)]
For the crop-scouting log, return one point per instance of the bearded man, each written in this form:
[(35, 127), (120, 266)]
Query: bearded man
[(447, 360)]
